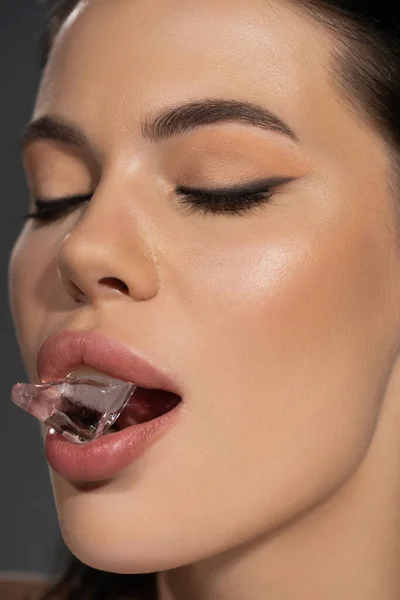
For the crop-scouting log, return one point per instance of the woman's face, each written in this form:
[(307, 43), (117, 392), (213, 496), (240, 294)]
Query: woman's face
[(281, 323)]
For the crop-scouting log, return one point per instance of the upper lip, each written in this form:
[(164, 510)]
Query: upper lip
[(67, 350)]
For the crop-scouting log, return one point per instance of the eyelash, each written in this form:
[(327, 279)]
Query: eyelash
[(237, 200)]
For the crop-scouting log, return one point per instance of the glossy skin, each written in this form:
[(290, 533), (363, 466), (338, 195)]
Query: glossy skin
[(282, 325)]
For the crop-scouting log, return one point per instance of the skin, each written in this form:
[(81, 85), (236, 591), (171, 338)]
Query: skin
[(281, 479)]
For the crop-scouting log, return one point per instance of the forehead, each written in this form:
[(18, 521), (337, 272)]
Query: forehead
[(142, 51), (115, 63)]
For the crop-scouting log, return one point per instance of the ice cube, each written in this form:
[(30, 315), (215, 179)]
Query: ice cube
[(79, 408)]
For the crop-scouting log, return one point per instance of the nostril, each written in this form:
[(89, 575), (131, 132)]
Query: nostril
[(76, 292), (115, 284)]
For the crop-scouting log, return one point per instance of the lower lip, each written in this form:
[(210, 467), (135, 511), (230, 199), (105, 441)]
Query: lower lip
[(105, 457)]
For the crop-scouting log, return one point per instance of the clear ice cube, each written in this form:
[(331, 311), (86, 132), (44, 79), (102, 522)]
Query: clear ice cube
[(80, 409)]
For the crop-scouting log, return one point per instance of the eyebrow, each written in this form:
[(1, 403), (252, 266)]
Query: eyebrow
[(197, 114), (171, 122)]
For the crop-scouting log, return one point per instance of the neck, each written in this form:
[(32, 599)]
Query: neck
[(346, 548)]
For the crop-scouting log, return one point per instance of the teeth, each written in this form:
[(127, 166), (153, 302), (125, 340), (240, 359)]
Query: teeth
[(84, 372), (88, 373)]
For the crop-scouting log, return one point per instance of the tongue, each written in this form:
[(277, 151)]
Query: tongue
[(146, 405)]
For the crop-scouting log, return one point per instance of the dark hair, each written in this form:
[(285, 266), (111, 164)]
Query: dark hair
[(366, 66)]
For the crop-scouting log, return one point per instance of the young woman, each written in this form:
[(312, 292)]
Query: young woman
[(215, 214)]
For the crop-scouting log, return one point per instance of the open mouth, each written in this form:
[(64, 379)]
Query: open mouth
[(144, 405), (148, 414)]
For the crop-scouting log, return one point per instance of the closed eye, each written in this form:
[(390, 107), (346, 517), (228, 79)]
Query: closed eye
[(54, 209), (234, 200)]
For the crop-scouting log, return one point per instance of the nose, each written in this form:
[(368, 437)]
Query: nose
[(107, 254)]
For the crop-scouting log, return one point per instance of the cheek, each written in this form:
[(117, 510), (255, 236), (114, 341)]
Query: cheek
[(301, 295), (293, 350), (32, 277)]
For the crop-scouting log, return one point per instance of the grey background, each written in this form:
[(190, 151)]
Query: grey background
[(29, 533)]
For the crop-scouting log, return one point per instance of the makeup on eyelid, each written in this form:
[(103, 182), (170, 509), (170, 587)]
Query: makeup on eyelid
[(234, 200), (213, 156)]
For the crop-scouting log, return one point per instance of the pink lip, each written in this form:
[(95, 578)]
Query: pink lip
[(104, 457), (67, 350)]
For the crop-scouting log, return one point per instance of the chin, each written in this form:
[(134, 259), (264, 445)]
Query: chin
[(117, 533), (149, 549)]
